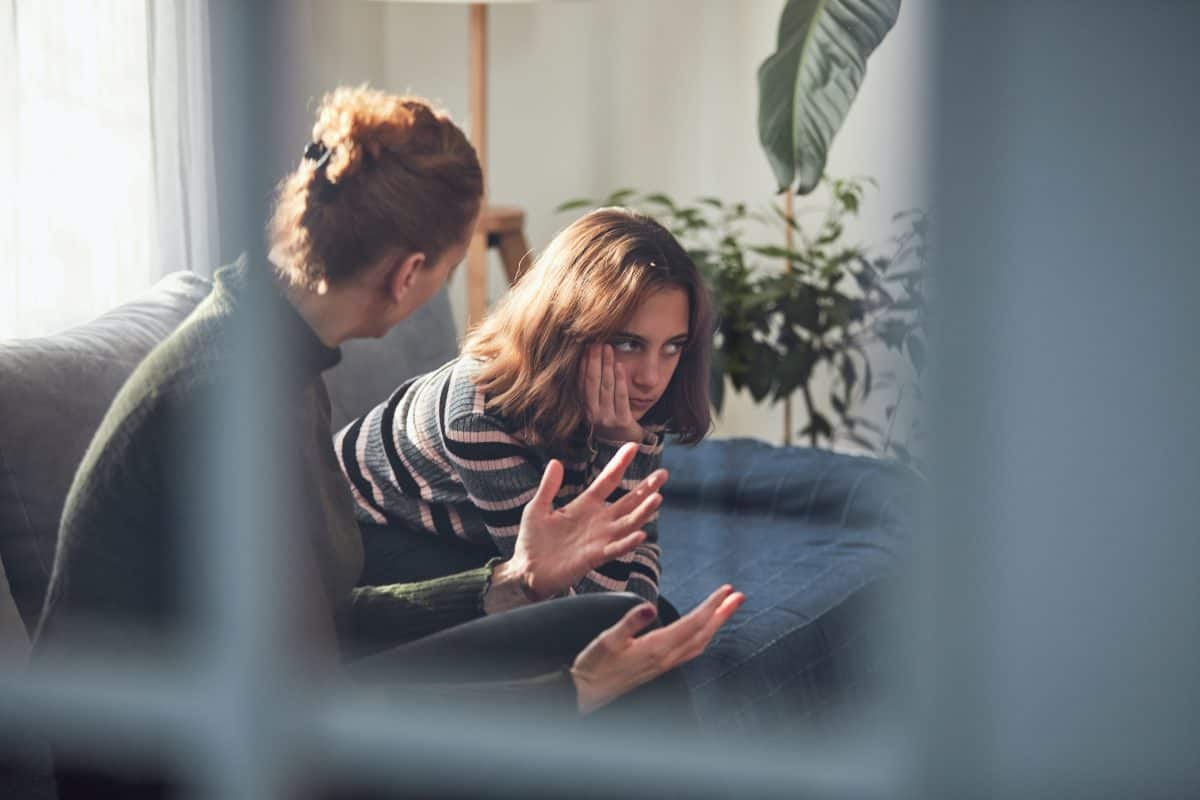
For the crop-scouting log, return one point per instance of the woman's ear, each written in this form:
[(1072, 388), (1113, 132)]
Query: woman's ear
[(403, 274)]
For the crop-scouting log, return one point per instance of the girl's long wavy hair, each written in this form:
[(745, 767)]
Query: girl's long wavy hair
[(583, 289)]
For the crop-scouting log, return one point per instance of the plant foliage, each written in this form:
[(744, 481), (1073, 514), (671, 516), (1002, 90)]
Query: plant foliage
[(806, 87)]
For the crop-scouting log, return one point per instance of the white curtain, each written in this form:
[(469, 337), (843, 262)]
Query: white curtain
[(108, 180)]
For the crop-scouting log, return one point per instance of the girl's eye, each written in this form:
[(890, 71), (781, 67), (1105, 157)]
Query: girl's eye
[(624, 346), (673, 348)]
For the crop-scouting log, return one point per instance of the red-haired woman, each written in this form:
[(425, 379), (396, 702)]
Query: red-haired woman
[(604, 340)]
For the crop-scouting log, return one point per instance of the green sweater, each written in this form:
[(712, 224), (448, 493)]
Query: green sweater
[(128, 529)]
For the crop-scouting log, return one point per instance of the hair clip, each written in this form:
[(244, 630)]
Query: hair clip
[(318, 152)]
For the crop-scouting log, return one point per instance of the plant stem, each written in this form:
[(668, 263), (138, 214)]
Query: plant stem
[(789, 206), (887, 439), (808, 404)]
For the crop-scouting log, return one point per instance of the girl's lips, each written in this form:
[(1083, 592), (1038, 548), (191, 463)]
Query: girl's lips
[(633, 401)]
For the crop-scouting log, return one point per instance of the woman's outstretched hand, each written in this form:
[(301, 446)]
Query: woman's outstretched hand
[(556, 547), (606, 396), (618, 660)]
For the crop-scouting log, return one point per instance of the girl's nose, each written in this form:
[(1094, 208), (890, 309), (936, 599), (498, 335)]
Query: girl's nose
[(645, 373)]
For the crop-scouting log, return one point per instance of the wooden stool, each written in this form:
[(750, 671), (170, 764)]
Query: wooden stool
[(502, 227)]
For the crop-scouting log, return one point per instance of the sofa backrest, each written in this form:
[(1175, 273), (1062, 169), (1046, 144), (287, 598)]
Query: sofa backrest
[(54, 391)]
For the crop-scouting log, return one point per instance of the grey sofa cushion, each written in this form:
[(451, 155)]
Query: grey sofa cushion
[(372, 368), (54, 391), (14, 640)]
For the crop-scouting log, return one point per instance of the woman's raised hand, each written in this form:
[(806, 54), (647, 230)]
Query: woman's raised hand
[(618, 660), (556, 547), (606, 395)]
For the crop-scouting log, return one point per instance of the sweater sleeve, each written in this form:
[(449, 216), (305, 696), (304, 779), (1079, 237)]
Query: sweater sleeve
[(499, 473), (639, 571), (379, 617)]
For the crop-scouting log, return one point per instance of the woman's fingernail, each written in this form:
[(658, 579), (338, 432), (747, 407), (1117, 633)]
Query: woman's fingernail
[(646, 612)]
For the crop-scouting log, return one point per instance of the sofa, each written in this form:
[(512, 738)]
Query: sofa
[(812, 537)]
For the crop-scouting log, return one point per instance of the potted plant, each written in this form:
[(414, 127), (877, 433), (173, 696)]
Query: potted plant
[(819, 306)]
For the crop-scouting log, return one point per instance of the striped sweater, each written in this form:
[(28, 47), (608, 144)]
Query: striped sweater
[(433, 457)]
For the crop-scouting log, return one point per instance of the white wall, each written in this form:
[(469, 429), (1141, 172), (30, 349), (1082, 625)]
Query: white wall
[(590, 96)]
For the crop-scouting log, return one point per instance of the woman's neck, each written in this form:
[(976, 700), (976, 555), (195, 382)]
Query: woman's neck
[(332, 319)]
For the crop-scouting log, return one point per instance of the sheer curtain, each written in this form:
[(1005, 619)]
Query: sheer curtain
[(109, 178)]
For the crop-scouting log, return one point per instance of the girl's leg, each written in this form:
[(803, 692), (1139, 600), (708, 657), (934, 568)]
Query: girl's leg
[(398, 554)]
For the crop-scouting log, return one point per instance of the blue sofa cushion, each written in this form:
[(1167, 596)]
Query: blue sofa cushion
[(810, 536)]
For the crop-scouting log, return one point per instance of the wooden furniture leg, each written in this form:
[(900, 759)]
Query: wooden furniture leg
[(513, 251), (501, 227), (477, 278)]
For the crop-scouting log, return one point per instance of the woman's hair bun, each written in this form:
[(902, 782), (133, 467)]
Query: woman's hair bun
[(359, 123), (383, 171)]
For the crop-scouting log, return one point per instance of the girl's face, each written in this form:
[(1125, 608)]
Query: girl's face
[(650, 344)]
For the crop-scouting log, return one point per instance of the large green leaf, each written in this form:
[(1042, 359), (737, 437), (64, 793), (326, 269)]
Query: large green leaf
[(806, 86)]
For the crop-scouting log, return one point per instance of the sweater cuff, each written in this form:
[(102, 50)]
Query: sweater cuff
[(385, 616)]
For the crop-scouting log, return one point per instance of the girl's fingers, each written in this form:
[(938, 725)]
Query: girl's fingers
[(606, 381), (641, 515), (622, 546), (584, 391), (552, 479), (609, 478), (648, 485), (593, 367)]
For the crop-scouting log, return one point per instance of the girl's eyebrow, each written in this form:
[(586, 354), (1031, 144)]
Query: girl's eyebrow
[(636, 338)]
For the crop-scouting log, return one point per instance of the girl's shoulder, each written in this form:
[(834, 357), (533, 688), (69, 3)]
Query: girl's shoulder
[(458, 383), (464, 400)]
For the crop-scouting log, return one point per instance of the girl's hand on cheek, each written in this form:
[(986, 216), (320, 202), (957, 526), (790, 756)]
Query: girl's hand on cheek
[(606, 395)]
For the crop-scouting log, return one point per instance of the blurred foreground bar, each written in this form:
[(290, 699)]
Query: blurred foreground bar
[(1062, 612)]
